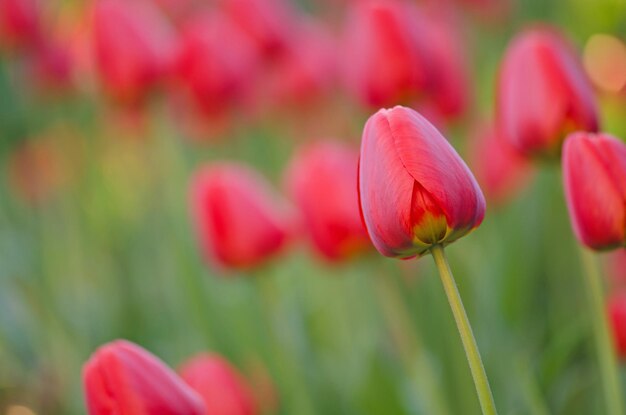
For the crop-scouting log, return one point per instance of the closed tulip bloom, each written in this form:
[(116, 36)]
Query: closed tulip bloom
[(239, 220), (543, 93), (449, 85), (384, 61), (500, 169), (216, 74), (269, 24), (223, 390), (616, 306), (122, 378), (308, 69), (415, 190), (133, 46), (20, 23), (594, 173), (322, 181)]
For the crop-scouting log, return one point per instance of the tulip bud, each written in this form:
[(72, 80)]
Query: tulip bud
[(449, 85), (500, 169), (222, 389), (268, 23), (133, 46), (322, 181), (307, 71), (239, 221), (543, 93), (214, 73), (384, 62), (122, 378), (594, 173), (20, 23), (616, 307), (415, 191)]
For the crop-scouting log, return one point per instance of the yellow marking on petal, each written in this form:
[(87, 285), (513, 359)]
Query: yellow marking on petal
[(430, 230)]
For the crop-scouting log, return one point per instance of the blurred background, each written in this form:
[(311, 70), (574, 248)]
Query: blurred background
[(107, 108)]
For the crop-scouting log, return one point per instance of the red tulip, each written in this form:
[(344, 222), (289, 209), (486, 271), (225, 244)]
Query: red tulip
[(594, 172), (215, 73), (223, 390), (20, 23), (51, 66), (616, 306), (122, 378), (322, 181), (414, 189), (239, 221), (268, 23), (384, 55), (500, 169), (307, 70), (543, 93), (449, 88), (133, 46)]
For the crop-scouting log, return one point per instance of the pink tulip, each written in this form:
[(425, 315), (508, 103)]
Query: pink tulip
[(222, 389), (20, 24), (239, 220), (215, 73), (384, 55), (322, 180), (122, 378), (268, 23), (594, 173), (449, 84), (308, 69), (414, 189), (133, 46), (543, 93)]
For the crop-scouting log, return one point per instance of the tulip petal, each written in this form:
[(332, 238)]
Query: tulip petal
[(434, 164), (385, 190), (594, 174)]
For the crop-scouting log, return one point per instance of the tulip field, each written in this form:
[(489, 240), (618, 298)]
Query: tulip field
[(312, 207)]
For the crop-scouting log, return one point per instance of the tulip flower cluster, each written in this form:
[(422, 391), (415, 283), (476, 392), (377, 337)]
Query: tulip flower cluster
[(151, 147), (124, 378)]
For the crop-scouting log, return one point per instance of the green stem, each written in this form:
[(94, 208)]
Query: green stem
[(604, 344), (465, 331)]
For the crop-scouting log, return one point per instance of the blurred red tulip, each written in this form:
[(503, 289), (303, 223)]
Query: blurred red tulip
[(20, 23), (594, 172), (239, 220), (307, 71), (616, 305), (449, 87), (543, 93), (215, 73), (133, 46), (122, 378), (51, 66), (322, 180), (414, 189), (500, 169), (384, 55), (223, 389), (268, 23)]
